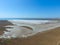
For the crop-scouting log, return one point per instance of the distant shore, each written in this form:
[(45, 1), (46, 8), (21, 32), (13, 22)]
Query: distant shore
[(29, 18)]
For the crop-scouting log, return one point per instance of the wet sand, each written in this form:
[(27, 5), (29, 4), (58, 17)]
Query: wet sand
[(49, 37)]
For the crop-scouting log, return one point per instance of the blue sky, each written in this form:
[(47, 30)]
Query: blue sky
[(29, 9)]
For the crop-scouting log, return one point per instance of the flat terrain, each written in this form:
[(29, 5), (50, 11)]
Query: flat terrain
[(2, 24), (50, 37)]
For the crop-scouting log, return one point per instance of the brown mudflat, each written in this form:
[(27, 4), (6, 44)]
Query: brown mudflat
[(51, 37), (2, 24)]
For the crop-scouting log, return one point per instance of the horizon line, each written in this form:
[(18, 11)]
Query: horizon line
[(29, 18)]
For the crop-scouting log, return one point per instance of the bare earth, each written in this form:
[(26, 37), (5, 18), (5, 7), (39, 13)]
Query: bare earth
[(50, 37)]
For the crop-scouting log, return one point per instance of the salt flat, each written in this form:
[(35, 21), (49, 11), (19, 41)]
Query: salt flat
[(19, 28), (43, 34)]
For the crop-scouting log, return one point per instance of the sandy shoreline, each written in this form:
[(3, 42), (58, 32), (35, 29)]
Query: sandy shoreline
[(49, 37)]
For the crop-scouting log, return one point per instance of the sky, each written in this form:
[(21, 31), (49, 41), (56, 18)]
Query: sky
[(29, 8)]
